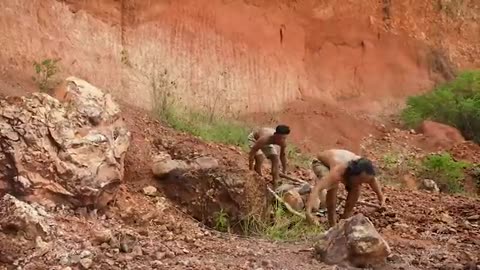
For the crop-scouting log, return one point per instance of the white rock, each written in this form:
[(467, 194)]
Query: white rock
[(429, 184), (86, 263), (205, 163), (150, 191), (165, 167)]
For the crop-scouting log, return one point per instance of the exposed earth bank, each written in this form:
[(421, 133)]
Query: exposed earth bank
[(256, 56)]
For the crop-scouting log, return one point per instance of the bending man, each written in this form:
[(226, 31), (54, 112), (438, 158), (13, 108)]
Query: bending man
[(270, 143), (337, 166)]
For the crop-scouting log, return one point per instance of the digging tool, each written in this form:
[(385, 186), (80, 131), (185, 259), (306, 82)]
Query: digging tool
[(362, 203), (294, 179), (289, 208)]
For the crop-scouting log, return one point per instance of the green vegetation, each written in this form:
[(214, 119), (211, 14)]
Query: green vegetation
[(448, 173), (45, 71), (297, 158), (390, 161), (445, 171), (208, 126), (289, 227), (216, 130), (394, 165), (456, 103), (284, 227), (222, 222)]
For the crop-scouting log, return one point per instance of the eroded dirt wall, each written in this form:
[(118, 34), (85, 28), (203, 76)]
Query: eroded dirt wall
[(248, 56)]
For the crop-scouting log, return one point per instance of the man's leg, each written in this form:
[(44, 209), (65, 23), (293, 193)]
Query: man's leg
[(271, 152), (259, 158), (275, 170), (320, 171)]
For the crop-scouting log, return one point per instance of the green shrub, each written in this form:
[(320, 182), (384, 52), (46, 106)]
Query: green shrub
[(456, 103), (445, 171)]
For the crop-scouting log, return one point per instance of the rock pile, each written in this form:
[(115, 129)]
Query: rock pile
[(68, 151)]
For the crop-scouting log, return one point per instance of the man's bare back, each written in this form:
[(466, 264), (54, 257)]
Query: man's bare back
[(334, 157), (341, 166), (264, 131)]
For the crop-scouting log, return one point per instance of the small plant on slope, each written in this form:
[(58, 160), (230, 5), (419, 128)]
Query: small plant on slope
[(45, 71), (222, 222)]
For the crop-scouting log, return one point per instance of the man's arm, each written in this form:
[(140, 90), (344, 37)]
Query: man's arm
[(350, 202), (320, 184), (283, 157), (375, 185), (257, 146)]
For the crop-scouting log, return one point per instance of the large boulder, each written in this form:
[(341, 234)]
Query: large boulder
[(353, 242), (440, 135), (68, 151)]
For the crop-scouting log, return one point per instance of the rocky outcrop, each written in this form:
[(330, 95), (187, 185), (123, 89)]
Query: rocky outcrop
[(70, 150), (353, 242)]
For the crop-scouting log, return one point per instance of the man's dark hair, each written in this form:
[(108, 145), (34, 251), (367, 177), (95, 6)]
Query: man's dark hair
[(282, 130), (356, 167)]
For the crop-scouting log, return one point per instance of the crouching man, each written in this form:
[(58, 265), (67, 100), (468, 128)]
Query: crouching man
[(271, 144), (336, 166)]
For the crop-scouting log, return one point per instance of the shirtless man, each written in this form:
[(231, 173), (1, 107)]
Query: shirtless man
[(270, 143), (337, 166)]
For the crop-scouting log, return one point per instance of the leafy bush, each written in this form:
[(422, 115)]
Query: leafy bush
[(456, 103), (445, 171)]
